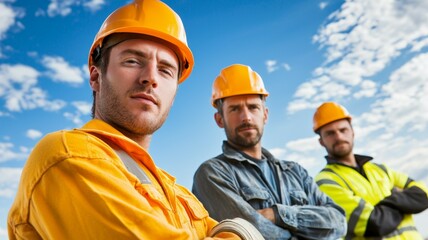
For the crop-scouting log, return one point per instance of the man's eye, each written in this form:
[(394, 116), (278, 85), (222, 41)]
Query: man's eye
[(167, 71), (234, 109), (131, 61)]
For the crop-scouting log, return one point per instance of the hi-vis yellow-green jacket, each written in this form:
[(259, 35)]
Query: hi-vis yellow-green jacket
[(378, 201), (74, 186)]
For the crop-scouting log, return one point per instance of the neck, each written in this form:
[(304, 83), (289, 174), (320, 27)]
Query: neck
[(254, 151), (348, 160), (141, 139)]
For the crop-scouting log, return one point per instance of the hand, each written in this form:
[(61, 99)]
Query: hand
[(268, 213)]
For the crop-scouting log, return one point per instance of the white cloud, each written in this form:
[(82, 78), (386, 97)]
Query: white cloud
[(94, 5), (323, 5), (65, 7), (368, 89), (60, 7), (417, 46), (40, 12), (360, 40), (286, 66), (7, 153), (61, 71), (3, 233), (85, 71), (310, 163), (7, 19), (405, 106), (9, 181), (83, 109), (278, 152), (298, 105), (34, 134), (4, 114), (303, 145), (271, 65), (18, 88)]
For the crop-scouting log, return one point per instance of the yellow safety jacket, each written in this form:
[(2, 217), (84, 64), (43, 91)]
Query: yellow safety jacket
[(358, 195), (74, 186)]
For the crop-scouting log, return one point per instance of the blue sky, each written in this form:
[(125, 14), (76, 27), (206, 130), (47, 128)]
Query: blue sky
[(370, 56)]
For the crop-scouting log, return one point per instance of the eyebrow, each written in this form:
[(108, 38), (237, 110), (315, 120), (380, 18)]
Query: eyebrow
[(145, 56), (239, 105)]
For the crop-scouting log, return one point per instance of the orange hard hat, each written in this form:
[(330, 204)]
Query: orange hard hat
[(329, 112), (237, 79), (153, 18)]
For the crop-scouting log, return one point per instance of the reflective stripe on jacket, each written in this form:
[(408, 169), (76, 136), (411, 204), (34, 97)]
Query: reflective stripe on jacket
[(358, 195), (74, 186)]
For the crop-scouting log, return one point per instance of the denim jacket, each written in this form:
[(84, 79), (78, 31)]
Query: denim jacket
[(230, 185)]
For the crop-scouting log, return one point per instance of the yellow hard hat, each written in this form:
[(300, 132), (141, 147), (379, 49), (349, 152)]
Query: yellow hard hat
[(153, 18), (237, 79), (329, 112)]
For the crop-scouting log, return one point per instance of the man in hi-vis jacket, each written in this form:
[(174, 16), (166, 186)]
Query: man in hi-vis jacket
[(378, 201)]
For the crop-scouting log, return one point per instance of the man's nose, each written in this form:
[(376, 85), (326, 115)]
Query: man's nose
[(246, 115), (149, 75)]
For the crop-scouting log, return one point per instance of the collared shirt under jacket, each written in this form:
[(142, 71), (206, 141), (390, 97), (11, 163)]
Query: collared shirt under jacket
[(231, 185)]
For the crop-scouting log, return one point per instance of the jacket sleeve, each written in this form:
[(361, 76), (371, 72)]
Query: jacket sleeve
[(215, 186), (360, 215), (409, 201), (313, 215), (93, 199), (407, 196)]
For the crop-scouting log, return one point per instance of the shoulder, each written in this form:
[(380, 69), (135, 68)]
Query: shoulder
[(332, 172), (58, 146), (290, 165), (216, 162), (217, 165), (69, 143)]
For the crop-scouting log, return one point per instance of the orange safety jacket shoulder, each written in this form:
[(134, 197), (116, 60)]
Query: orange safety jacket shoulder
[(358, 195), (74, 186)]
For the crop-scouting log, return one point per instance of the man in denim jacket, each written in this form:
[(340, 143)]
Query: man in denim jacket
[(278, 197)]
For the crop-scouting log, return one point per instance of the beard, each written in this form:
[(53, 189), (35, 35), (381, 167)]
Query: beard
[(115, 111), (246, 140), (339, 153)]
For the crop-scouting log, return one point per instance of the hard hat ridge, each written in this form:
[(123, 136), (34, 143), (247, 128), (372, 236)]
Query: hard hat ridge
[(237, 79), (329, 112)]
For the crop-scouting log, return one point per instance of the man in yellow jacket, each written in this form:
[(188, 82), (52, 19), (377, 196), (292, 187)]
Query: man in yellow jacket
[(99, 181), (378, 201)]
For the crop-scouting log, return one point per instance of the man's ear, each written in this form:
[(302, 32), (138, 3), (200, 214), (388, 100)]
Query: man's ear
[(265, 115), (219, 119), (321, 141), (94, 78)]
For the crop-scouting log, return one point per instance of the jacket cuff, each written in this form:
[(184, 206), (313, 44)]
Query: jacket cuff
[(285, 217), (411, 200)]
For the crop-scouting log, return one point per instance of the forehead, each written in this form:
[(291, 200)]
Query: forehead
[(147, 46), (242, 99), (338, 124)]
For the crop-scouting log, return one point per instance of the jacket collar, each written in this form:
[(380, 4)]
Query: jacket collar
[(234, 154), (361, 160)]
